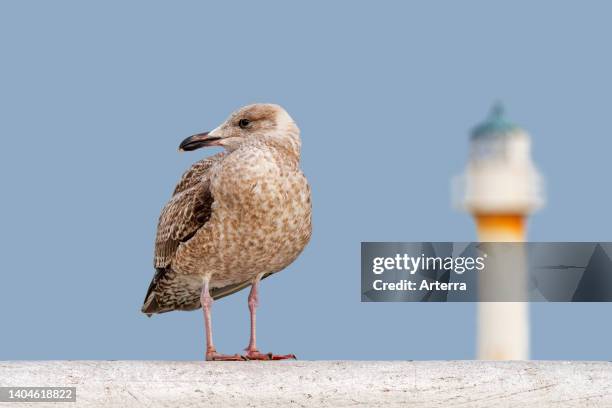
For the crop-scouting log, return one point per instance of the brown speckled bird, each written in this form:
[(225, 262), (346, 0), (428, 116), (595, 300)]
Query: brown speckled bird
[(234, 218)]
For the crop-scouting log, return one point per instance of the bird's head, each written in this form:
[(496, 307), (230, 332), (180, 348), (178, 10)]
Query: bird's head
[(267, 123)]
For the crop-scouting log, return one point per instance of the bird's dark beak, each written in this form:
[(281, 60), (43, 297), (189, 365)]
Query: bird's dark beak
[(197, 141)]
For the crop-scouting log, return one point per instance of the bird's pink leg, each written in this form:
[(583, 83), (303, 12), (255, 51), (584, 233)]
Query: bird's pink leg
[(252, 352), (211, 353)]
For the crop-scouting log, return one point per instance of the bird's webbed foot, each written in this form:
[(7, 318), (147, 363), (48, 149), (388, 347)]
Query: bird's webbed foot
[(256, 355), (214, 356)]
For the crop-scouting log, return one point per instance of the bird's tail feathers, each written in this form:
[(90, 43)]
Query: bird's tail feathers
[(151, 305)]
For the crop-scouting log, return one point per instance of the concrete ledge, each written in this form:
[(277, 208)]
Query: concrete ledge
[(320, 383)]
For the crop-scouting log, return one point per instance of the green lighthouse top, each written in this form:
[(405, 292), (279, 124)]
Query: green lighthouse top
[(495, 124)]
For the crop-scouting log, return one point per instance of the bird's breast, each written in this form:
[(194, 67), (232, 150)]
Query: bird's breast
[(263, 216)]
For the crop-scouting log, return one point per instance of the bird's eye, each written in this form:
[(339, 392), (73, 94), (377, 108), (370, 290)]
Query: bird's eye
[(243, 123)]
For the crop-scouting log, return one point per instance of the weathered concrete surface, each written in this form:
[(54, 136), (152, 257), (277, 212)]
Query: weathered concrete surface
[(319, 383)]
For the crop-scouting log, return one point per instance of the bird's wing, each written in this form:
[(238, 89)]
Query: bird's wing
[(187, 211)]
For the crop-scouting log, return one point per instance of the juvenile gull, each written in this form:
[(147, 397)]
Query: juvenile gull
[(234, 218)]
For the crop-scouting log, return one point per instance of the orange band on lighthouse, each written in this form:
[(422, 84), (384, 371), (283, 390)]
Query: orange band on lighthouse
[(500, 227)]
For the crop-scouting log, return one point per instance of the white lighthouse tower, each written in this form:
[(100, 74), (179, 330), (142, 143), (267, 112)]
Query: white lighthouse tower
[(500, 188)]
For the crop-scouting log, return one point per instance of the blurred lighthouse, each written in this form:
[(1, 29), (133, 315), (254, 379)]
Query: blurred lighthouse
[(500, 188)]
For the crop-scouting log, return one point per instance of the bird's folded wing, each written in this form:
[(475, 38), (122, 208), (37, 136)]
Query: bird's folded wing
[(187, 211)]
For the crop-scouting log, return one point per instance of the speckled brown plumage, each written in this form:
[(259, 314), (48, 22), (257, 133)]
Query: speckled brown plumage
[(233, 216)]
